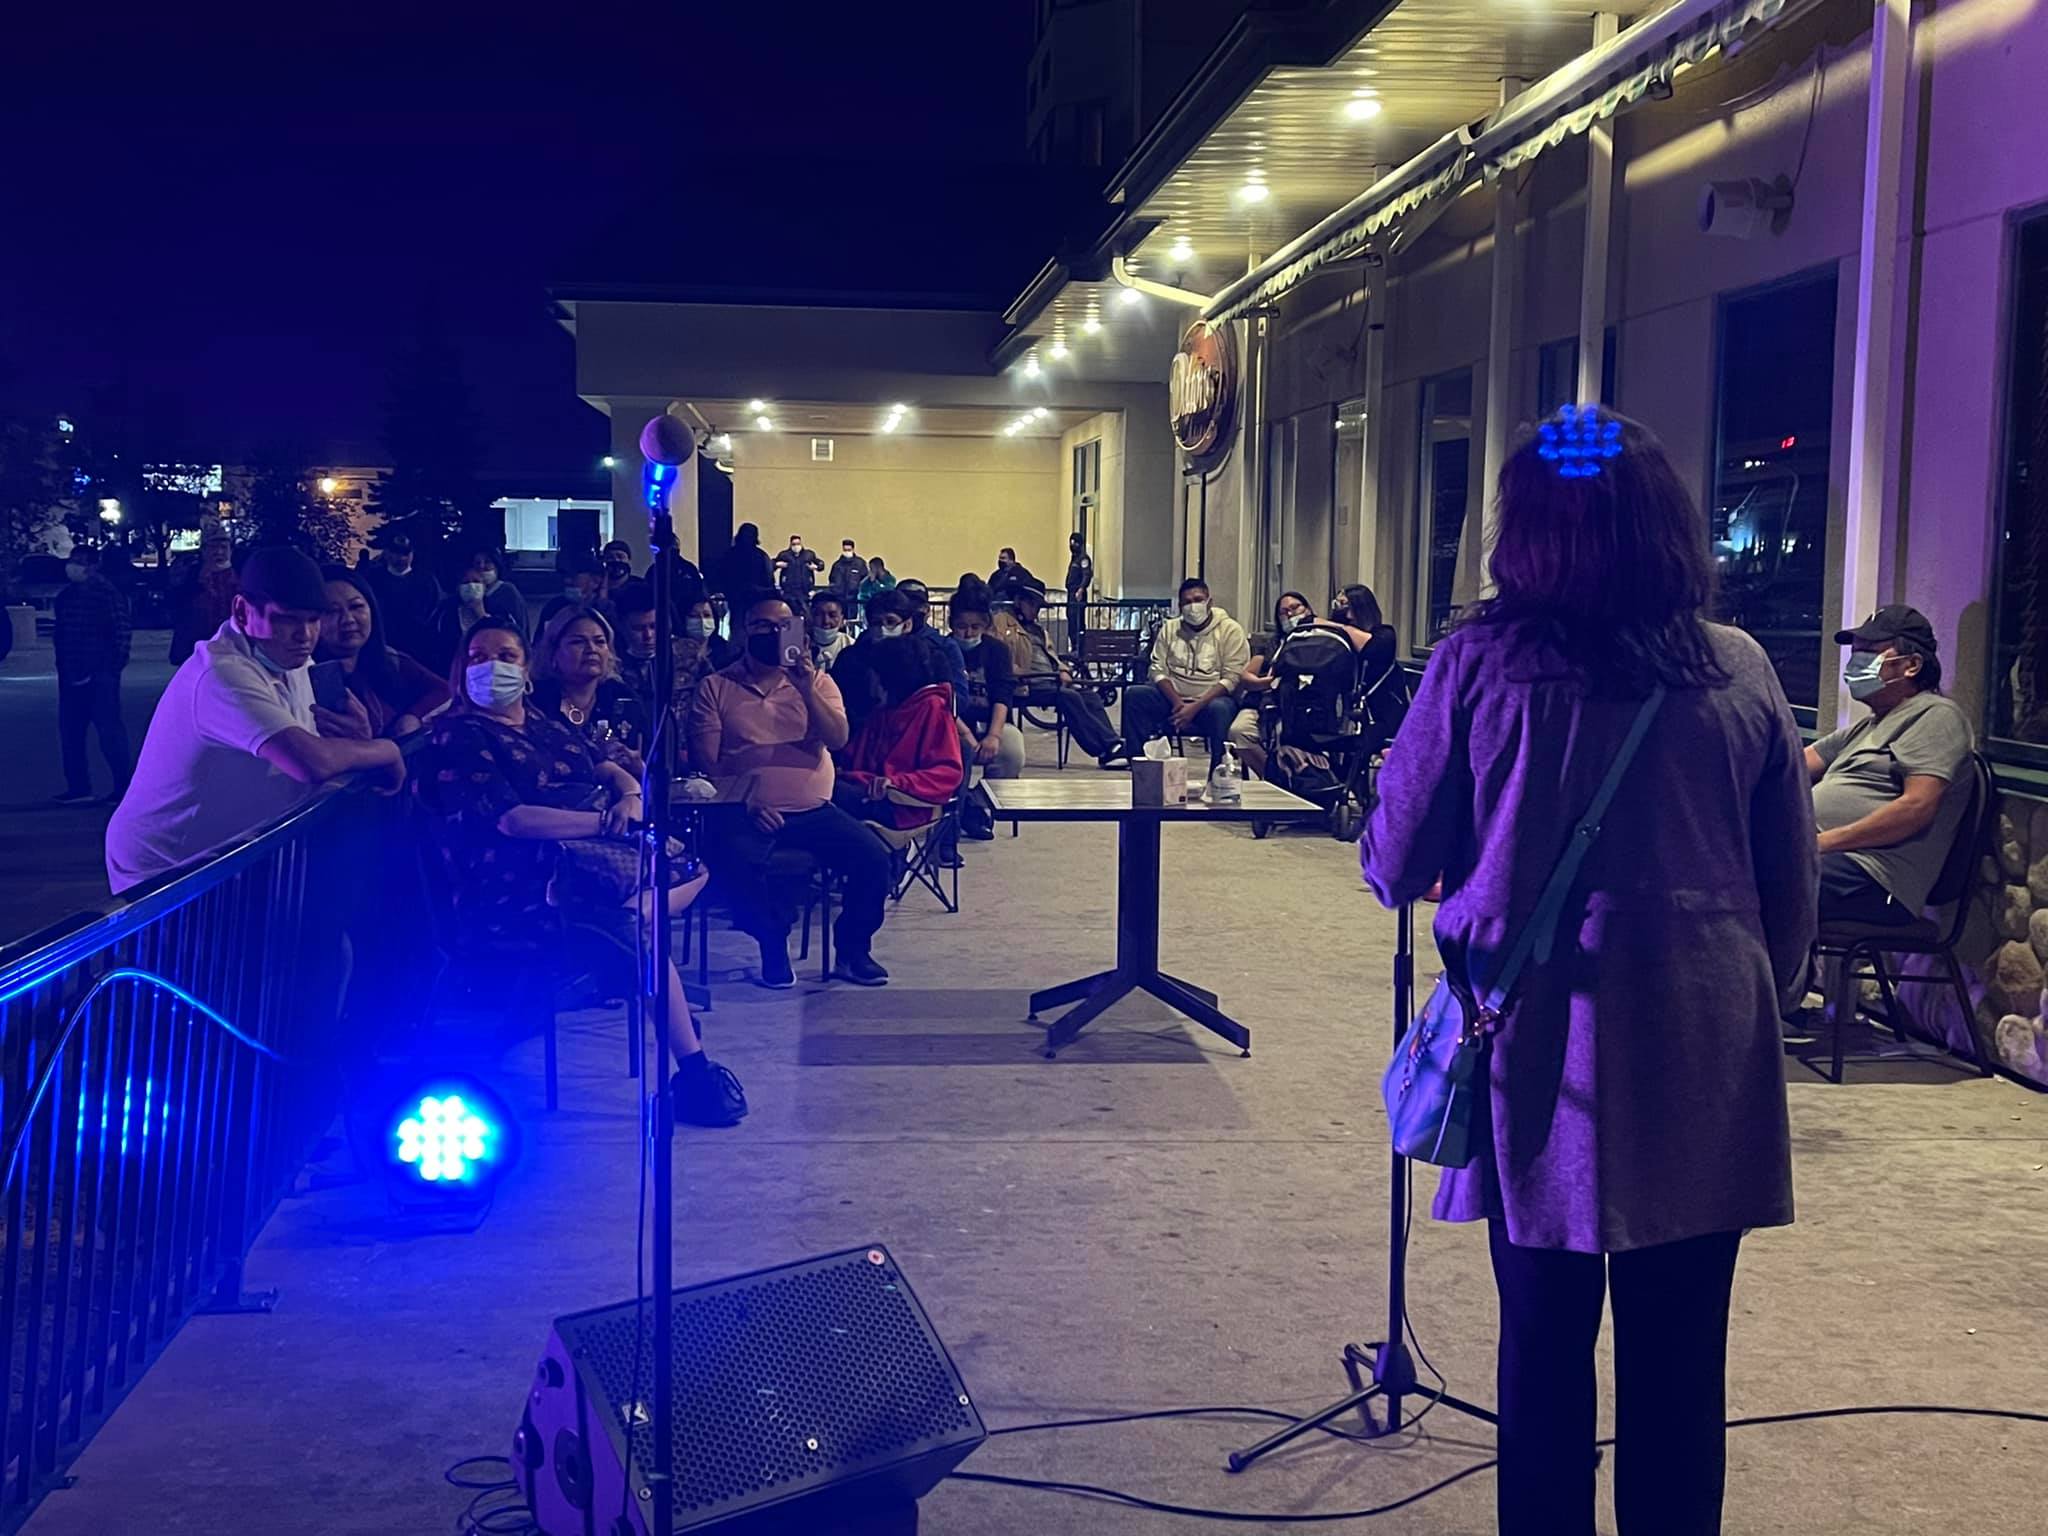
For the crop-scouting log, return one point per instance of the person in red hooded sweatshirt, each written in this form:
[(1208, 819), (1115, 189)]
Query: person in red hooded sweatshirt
[(903, 764)]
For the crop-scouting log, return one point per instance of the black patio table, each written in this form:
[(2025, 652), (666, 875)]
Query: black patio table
[(1107, 797)]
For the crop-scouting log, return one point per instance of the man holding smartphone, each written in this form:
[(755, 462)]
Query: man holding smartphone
[(765, 728)]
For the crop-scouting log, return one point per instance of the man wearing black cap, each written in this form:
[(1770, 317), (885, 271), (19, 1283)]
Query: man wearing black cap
[(1889, 790), (406, 596), (235, 741)]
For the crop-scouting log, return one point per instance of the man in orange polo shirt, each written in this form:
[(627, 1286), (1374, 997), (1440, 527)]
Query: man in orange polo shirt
[(768, 725)]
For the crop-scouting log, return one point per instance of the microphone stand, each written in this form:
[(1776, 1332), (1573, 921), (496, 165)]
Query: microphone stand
[(1381, 1369), (659, 484)]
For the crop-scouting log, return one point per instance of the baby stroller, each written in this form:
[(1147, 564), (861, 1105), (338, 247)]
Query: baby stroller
[(1332, 709)]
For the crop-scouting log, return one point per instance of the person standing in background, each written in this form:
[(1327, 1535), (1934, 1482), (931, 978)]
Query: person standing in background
[(407, 595), (793, 570), (743, 569), (879, 579), (1080, 577), (1009, 577), (92, 637), (847, 573), (202, 601)]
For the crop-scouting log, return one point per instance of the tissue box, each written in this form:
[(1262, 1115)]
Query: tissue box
[(1159, 780)]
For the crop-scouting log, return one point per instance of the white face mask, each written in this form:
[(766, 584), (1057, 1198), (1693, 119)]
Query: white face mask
[(891, 631), (1194, 614), (76, 572), (470, 591), (495, 684)]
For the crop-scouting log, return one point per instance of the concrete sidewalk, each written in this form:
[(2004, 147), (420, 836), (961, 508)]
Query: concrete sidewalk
[(1149, 1221)]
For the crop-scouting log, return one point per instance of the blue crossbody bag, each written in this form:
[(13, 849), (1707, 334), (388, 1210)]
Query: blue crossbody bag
[(1435, 1085)]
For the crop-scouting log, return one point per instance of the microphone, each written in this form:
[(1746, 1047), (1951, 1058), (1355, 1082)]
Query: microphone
[(666, 444)]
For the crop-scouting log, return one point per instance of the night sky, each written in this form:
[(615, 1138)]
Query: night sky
[(232, 228)]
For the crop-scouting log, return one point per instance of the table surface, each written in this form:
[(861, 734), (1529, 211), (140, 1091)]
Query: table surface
[(1107, 797)]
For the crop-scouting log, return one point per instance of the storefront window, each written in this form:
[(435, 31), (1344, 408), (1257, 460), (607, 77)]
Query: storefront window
[(2018, 695), (1557, 373), (1768, 514), (1441, 488)]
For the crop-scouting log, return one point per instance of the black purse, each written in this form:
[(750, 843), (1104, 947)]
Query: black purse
[(1435, 1086)]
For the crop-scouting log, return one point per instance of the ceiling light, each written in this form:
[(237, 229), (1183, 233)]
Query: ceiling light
[(898, 409), (1129, 297), (1362, 109), (1039, 413), (764, 423), (1031, 367), (725, 442), (757, 406), (1091, 325), (890, 424), (1253, 192), (1058, 349), (1181, 251)]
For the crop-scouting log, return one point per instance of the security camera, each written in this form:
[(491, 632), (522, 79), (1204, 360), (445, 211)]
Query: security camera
[(1742, 210)]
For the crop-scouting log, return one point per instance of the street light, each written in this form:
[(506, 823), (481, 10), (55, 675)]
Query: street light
[(110, 510), (610, 462), (329, 485)]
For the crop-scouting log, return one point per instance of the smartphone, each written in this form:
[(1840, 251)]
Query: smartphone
[(794, 642), (330, 686)]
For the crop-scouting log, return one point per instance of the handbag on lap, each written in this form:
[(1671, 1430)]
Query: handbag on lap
[(1436, 1084)]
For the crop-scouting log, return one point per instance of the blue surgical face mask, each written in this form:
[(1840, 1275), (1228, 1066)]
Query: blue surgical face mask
[(1864, 674), (968, 642), (494, 684), (699, 628)]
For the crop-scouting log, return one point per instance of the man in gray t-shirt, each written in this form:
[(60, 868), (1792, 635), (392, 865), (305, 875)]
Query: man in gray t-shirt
[(1890, 790)]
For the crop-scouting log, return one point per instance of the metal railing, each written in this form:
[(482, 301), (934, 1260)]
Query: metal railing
[(161, 1080)]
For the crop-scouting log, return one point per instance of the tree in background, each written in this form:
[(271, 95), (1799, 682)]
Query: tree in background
[(283, 505), (430, 437), (35, 487)]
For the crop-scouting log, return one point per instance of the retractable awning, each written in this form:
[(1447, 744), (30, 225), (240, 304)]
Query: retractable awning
[(1598, 84)]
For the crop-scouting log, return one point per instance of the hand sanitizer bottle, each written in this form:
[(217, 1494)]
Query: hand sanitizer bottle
[(1226, 779)]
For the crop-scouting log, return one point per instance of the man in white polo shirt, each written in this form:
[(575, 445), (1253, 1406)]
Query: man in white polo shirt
[(235, 742)]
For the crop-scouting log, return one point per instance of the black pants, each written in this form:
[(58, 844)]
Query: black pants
[(765, 894), (1080, 711), (96, 704), (1077, 622), (1670, 1370), (1849, 893)]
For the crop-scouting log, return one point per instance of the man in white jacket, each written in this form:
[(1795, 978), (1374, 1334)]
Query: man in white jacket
[(1196, 661)]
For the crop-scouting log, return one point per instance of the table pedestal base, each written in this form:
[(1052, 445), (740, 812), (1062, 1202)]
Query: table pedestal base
[(1094, 995)]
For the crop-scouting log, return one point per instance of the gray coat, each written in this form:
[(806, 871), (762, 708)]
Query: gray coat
[(1638, 1092)]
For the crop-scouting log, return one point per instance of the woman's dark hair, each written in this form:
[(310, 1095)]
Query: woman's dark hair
[(1361, 606), (1300, 598), (634, 597), (903, 665), (746, 533), (970, 585), (887, 605), (1602, 556), (375, 669), (969, 600)]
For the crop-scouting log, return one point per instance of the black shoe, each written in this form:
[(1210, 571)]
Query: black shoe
[(1116, 757), (704, 1093), (73, 797), (949, 858), (775, 971), (861, 970)]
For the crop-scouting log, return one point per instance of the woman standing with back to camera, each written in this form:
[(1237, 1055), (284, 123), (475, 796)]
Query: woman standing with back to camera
[(1637, 1100)]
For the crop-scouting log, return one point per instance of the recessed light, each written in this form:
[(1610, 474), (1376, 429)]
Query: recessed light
[(764, 423), (1129, 296), (1039, 412), (1091, 325), (1361, 109), (1058, 349), (1253, 192), (757, 406)]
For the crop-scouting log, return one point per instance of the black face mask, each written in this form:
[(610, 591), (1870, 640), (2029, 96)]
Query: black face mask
[(617, 568), (766, 649)]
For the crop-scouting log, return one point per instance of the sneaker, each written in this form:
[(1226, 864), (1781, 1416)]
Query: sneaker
[(73, 797), (949, 859), (1116, 757), (775, 971), (704, 1093), (861, 970)]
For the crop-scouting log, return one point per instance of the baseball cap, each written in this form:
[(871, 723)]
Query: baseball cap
[(1894, 624), (402, 542), (620, 546), (284, 578)]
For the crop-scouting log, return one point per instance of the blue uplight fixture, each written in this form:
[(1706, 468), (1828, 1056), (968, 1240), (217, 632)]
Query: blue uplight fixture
[(449, 1138)]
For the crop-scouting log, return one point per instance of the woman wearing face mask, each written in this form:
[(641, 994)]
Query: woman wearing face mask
[(396, 692), (576, 679), (480, 593), (507, 786), (698, 644), (1255, 682), (903, 764), (991, 689)]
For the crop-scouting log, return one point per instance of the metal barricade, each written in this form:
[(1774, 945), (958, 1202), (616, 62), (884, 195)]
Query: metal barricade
[(161, 1080)]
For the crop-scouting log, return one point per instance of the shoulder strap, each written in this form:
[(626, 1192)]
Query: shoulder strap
[(1540, 931)]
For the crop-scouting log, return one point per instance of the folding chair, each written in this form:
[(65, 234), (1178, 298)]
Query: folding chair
[(1878, 943)]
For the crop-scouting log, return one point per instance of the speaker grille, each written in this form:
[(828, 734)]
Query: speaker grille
[(785, 1379)]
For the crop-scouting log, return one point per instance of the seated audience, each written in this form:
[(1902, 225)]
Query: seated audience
[(1045, 679), (509, 787), (396, 692), (1255, 683), (691, 660), (1196, 658), (698, 639), (903, 765), (828, 628), (481, 594), (998, 745), (576, 680), (768, 732), (1890, 789), (234, 742)]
